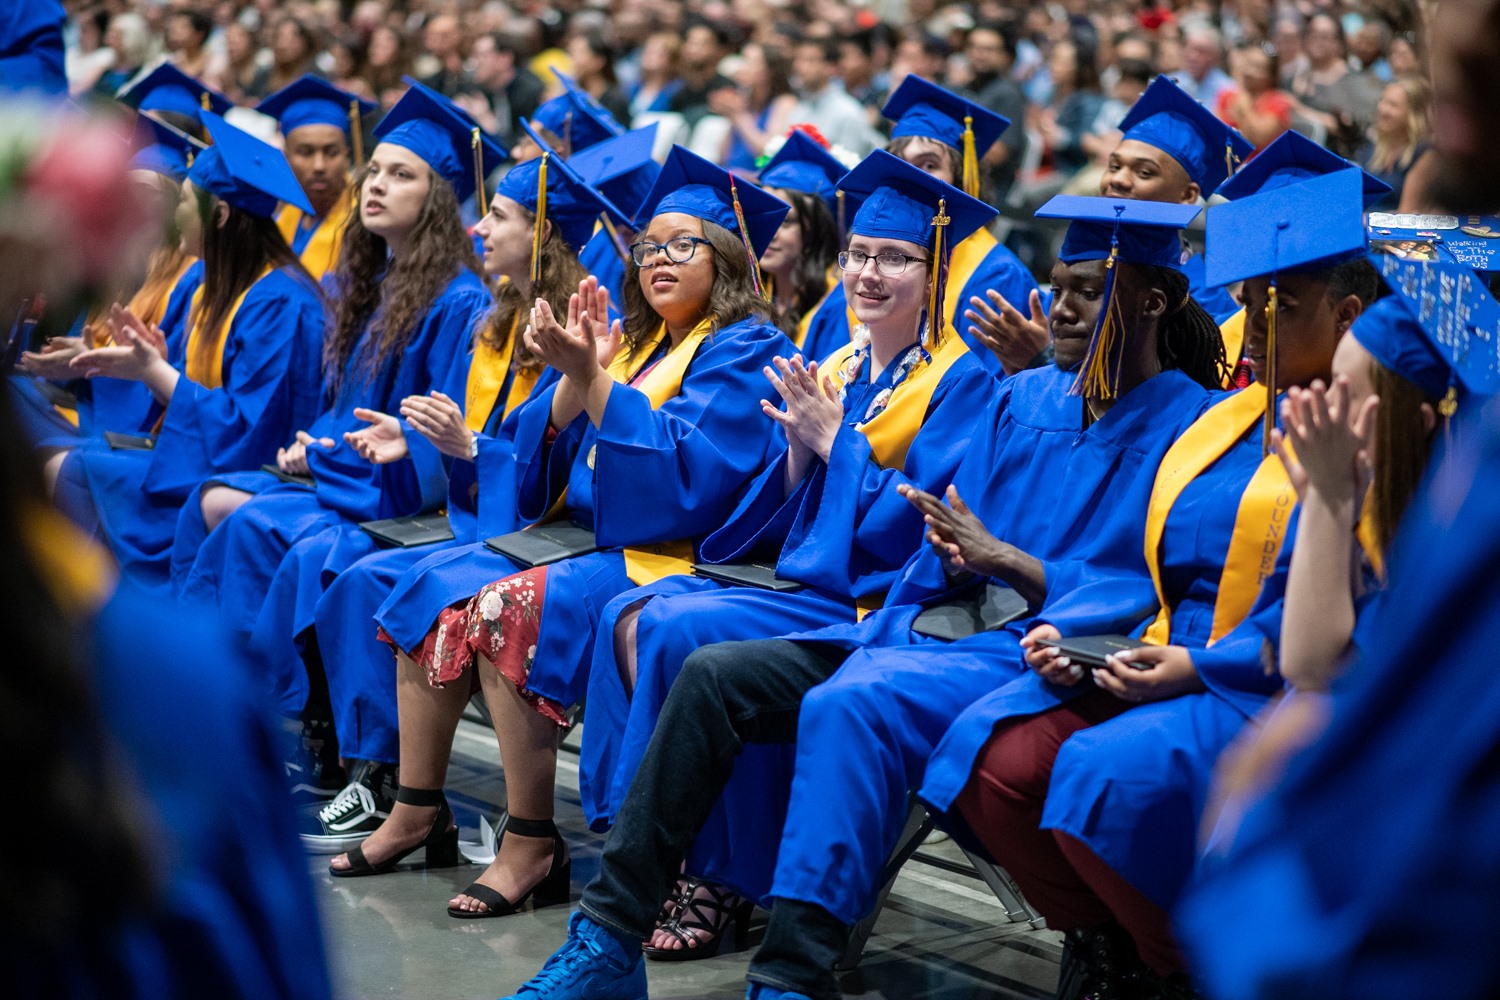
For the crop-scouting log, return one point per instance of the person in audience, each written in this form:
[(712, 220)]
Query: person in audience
[(388, 64), (1328, 93), (247, 372), (1086, 785), (826, 514), (500, 90), (761, 108), (826, 689), (1076, 99), (593, 68), (318, 124), (1399, 144), (822, 101), (659, 80), (408, 297), (294, 49), (187, 40), (1203, 76), (625, 443), (1256, 105), (705, 43), (990, 50)]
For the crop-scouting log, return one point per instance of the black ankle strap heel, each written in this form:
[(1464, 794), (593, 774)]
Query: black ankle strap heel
[(554, 888), (441, 840)]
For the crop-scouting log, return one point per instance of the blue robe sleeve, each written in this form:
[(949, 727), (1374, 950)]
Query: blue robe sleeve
[(542, 469), (270, 372), (676, 471)]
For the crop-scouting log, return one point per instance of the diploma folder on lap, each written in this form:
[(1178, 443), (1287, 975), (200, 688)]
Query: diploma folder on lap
[(985, 610), (410, 532), (1090, 650), (544, 544), (761, 576), (128, 442), (289, 477)]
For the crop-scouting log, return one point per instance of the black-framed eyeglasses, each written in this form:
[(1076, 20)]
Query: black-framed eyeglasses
[(885, 263), (679, 249)]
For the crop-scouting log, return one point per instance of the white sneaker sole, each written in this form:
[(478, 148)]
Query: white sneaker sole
[(332, 843)]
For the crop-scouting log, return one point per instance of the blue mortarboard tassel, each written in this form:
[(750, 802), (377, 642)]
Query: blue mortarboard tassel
[(1099, 376)]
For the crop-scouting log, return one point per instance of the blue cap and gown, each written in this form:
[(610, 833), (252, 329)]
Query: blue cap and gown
[(169, 89), (623, 170), (575, 118)]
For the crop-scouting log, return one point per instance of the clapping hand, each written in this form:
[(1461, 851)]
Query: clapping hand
[(584, 346), (1327, 442), (813, 412), (956, 534), (380, 443), (293, 458), (440, 420)]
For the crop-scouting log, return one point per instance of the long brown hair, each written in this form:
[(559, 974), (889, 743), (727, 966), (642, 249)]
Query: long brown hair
[(1403, 445), (1388, 154), (234, 257), (820, 247), (402, 290), (732, 299), (559, 278)]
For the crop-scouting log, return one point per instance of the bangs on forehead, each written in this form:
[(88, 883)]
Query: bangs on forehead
[(883, 244)]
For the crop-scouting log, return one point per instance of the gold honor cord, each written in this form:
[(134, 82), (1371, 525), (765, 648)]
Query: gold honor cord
[(541, 222), (739, 218), (356, 133), (481, 198), (935, 293), (971, 159)]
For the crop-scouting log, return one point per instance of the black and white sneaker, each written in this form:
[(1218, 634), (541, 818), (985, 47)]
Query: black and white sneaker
[(313, 770), (355, 812)]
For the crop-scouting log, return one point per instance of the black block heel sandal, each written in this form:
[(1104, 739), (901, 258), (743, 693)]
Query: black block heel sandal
[(703, 922), (554, 888), (441, 840)]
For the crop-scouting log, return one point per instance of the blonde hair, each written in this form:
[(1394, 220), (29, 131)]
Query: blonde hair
[(1389, 154)]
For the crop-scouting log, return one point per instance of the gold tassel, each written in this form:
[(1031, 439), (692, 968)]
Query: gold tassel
[(1229, 162), (481, 197), (839, 197), (1100, 374), (935, 295), (356, 134), (1270, 415), (739, 217), (971, 160), (541, 221), (203, 100), (1447, 409)]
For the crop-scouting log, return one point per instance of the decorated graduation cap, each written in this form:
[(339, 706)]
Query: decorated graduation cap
[(1166, 118), (1439, 329), (312, 101), (693, 186), (552, 190), (167, 88), (922, 108), (576, 118), (1307, 225), (1293, 158), (168, 151), (903, 202), (446, 138), (803, 165), (1116, 231), (251, 175)]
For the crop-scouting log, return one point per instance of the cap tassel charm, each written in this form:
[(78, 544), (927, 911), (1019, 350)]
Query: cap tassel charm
[(541, 222), (739, 218)]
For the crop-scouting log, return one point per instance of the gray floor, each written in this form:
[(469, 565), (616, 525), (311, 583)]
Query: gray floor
[(942, 936)]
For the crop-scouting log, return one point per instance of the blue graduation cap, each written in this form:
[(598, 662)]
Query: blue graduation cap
[(313, 101), (250, 175), (1439, 329), (1292, 158), (1118, 231), (1309, 224), (922, 108), (693, 186), (446, 138), (576, 118), (168, 151), (803, 165), (1166, 118), (167, 88), (551, 189), (621, 168)]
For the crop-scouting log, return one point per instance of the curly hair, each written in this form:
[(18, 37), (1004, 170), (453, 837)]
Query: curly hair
[(820, 245), (560, 274), (732, 299), (402, 290)]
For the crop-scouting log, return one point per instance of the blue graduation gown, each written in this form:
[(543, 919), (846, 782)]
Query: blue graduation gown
[(31, 48), (270, 388), (843, 531), (234, 915), (1391, 815), (237, 561), (600, 259), (1002, 271), (1217, 302)]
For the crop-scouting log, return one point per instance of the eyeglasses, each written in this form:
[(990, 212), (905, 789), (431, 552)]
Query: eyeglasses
[(679, 250), (885, 263)]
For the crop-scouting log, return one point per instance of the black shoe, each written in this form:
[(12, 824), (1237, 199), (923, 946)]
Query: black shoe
[(355, 813), (1102, 964), (441, 840), (314, 771), (702, 922), (555, 887)]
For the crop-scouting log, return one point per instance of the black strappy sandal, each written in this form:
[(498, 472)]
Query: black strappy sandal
[(441, 840), (555, 887), (701, 923)]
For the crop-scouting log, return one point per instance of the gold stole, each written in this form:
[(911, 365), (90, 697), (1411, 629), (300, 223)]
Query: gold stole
[(1260, 522), (213, 377), (322, 250), (79, 573), (487, 372), (967, 257), (1233, 332), (806, 321)]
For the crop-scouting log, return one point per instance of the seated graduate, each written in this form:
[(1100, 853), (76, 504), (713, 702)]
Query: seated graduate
[(322, 130), (1172, 150), (1087, 785), (799, 263), (947, 135), (528, 243), (1043, 463), (172, 275), (648, 439), (1275, 861), (408, 297), (898, 407), (248, 365), (623, 171)]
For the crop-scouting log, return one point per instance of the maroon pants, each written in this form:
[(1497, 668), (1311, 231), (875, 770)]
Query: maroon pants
[(1067, 882)]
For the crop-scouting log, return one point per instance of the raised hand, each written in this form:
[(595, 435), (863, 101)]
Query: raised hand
[(1326, 443), (132, 357), (582, 347), (958, 537), (1011, 337), (813, 413), (380, 443), (440, 420), (53, 360), (293, 458)]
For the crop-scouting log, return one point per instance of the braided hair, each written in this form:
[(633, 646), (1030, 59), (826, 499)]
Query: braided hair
[(1188, 338)]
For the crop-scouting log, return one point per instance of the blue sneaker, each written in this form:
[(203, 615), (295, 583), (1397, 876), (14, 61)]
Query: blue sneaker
[(593, 965), (760, 991)]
